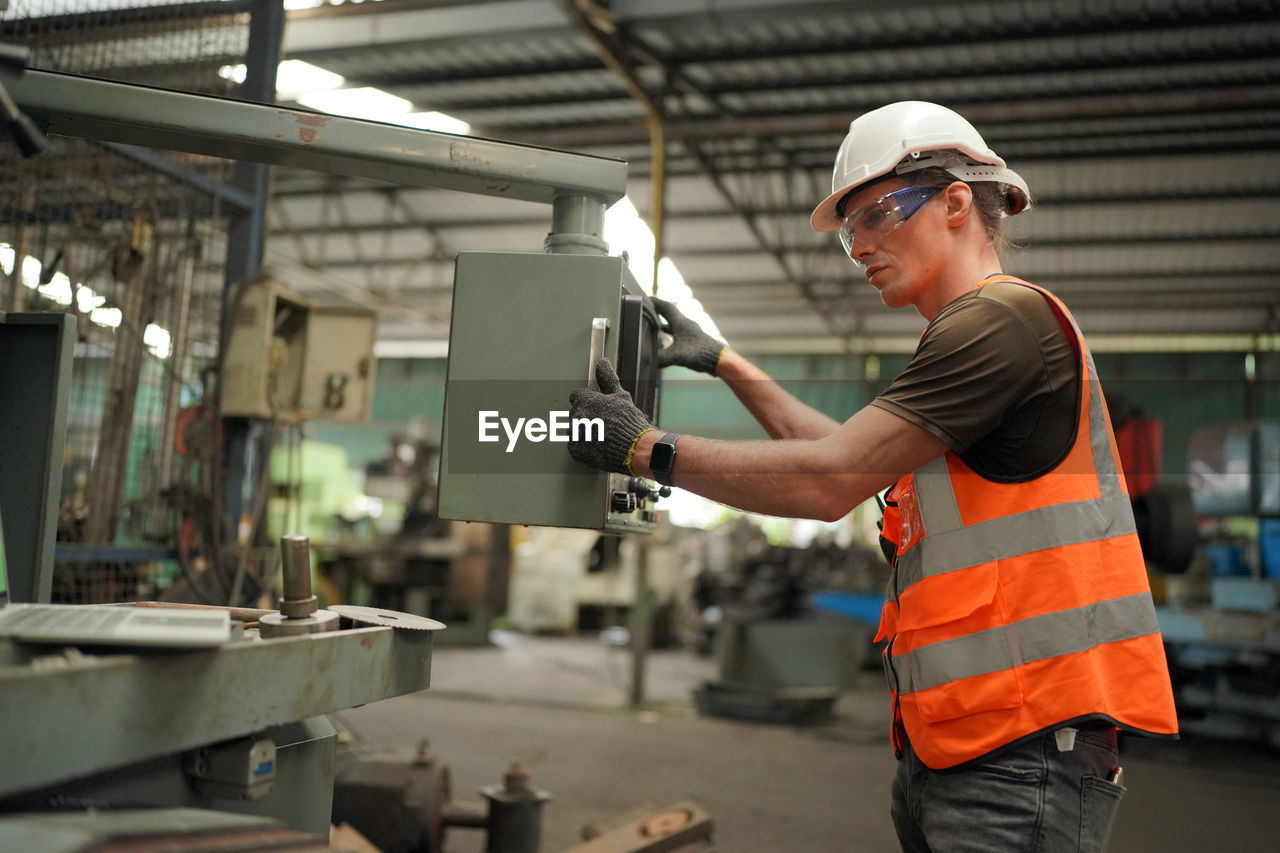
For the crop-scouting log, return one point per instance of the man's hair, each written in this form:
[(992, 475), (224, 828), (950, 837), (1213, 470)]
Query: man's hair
[(994, 201)]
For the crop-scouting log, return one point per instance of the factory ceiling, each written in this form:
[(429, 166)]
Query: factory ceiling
[(1148, 131)]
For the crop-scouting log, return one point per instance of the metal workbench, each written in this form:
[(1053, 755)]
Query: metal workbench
[(98, 727)]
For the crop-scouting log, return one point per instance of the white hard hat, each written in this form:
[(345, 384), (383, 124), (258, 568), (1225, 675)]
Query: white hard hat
[(906, 137)]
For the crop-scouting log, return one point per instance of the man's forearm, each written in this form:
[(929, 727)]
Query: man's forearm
[(781, 414), (792, 479)]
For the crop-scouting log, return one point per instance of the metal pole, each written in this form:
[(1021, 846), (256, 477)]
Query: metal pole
[(610, 54), (577, 221), (246, 238), (179, 321), (641, 622), (17, 293)]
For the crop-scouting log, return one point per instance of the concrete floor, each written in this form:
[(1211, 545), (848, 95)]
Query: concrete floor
[(559, 706)]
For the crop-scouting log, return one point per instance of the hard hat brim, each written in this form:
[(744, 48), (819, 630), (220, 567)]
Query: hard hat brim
[(824, 217)]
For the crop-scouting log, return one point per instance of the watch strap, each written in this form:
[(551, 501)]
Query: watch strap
[(663, 476)]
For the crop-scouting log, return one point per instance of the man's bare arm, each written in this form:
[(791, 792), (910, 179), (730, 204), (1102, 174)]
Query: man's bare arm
[(781, 414), (823, 478)]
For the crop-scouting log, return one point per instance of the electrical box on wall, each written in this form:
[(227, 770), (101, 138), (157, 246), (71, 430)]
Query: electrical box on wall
[(290, 360), (337, 373), (525, 331)]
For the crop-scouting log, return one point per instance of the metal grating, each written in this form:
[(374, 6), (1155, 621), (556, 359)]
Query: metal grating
[(134, 252)]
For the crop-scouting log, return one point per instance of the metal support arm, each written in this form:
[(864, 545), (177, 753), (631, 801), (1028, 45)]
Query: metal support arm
[(220, 127)]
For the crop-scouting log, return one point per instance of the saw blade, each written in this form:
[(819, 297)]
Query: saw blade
[(390, 618)]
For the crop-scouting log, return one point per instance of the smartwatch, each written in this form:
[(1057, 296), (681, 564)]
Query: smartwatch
[(662, 458)]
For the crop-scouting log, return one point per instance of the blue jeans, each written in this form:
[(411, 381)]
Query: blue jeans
[(1032, 798)]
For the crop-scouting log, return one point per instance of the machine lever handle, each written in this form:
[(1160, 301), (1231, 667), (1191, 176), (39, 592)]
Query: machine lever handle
[(599, 328)]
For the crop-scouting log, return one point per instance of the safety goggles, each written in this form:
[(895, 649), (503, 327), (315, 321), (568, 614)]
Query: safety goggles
[(884, 214)]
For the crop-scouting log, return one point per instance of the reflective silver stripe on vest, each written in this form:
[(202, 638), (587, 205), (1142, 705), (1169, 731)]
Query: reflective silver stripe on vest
[(1037, 638), (937, 500), (1104, 461), (1012, 536), (949, 546)]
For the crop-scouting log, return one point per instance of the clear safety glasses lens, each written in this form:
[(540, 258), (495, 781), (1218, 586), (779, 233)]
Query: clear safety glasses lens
[(884, 214)]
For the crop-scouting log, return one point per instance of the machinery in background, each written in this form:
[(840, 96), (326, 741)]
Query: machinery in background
[(405, 805), (198, 741), (447, 570), (407, 476), (1225, 655), (35, 380), (284, 360), (288, 359), (566, 580), (777, 659), (1162, 508)]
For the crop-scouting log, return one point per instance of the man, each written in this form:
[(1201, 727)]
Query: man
[(1019, 624)]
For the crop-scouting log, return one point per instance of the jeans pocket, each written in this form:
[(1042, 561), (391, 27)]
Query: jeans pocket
[(1030, 775), (1099, 801)]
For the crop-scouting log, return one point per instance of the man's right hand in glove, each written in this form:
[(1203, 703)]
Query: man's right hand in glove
[(692, 347)]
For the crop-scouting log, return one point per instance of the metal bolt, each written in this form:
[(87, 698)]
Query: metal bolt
[(516, 778), (295, 567)]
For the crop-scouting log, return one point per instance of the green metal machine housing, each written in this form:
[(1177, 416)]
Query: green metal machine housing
[(526, 330)]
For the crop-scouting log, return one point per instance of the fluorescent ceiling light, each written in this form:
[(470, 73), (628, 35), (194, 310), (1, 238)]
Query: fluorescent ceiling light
[(435, 121), (109, 317), (294, 77), (364, 102), (31, 272), (58, 289), (290, 5), (87, 300), (625, 231), (61, 290), (236, 73), (157, 340)]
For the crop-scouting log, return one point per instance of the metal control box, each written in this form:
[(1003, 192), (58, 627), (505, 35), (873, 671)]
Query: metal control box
[(291, 360), (526, 329)]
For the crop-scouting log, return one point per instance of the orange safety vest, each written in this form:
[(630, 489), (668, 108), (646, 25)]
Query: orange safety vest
[(1019, 608)]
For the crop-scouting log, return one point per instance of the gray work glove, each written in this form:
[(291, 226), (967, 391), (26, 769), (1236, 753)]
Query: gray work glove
[(692, 347), (623, 422)]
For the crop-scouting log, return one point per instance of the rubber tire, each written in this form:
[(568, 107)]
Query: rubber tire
[(1166, 522)]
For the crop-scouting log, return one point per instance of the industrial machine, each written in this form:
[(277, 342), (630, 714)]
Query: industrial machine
[(35, 376), (527, 330), (238, 727), (232, 727), (228, 722), (1225, 654), (288, 359)]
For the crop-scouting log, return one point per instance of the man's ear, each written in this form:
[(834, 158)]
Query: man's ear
[(959, 198)]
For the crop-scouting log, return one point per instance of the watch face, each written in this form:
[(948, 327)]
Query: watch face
[(661, 457)]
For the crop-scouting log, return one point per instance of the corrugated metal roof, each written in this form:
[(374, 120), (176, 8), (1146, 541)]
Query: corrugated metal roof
[(1148, 132)]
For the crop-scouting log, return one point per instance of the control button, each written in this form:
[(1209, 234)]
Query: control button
[(623, 502)]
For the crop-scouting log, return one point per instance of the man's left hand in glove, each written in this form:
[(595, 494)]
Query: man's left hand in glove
[(623, 422)]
